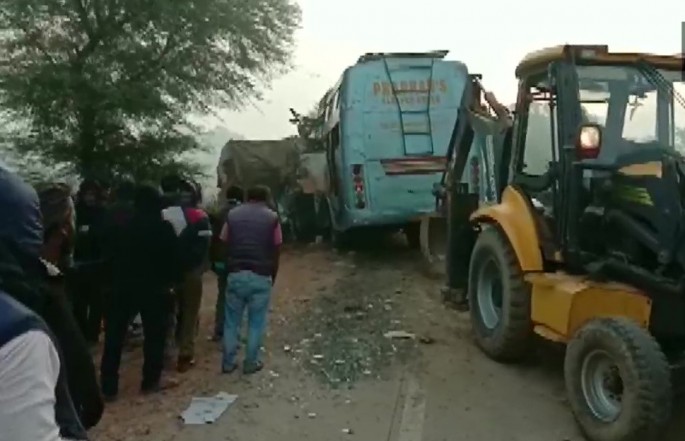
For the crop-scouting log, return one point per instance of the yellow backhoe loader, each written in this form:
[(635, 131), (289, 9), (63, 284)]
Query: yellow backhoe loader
[(585, 242)]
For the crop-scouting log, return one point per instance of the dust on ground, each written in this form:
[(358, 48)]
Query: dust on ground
[(329, 315), (332, 374)]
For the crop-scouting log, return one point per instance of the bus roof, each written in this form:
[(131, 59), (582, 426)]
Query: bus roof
[(538, 60), (372, 56)]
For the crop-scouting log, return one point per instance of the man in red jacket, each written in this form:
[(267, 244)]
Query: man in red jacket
[(194, 231)]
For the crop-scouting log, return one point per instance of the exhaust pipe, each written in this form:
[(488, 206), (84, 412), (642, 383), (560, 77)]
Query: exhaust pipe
[(641, 278)]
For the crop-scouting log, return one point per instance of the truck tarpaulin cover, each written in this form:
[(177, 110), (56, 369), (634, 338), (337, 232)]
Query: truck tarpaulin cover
[(312, 173), (247, 163)]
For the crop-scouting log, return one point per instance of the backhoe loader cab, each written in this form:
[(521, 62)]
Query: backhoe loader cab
[(586, 245)]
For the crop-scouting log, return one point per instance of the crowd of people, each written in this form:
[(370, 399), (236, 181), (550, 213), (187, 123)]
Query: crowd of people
[(71, 264)]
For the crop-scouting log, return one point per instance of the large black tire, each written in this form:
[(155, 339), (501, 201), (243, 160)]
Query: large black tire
[(506, 335), (413, 234), (341, 240), (303, 232), (303, 218), (646, 401)]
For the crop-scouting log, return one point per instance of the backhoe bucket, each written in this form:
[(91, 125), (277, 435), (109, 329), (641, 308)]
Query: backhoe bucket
[(433, 239)]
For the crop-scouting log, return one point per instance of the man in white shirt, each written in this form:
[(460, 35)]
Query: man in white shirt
[(29, 368), (35, 400)]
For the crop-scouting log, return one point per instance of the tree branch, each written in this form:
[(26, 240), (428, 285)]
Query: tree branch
[(156, 62), (85, 20), (108, 27), (29, 38)]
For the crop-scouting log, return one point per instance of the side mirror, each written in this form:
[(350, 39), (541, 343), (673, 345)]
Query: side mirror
[(589, 141)]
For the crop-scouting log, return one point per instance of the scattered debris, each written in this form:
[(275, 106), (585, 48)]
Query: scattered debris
[(426, 340), (399, 335), (347, 431), (206, 410), (352, 308), (274, 374), (342, 332), (311, 415), (287, 348)]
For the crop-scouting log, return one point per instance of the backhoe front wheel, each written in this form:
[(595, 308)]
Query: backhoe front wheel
[(618, 382), (499, 298)]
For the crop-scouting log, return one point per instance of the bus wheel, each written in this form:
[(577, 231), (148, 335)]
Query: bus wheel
[(413, 233), (340, 239), (304, 232)]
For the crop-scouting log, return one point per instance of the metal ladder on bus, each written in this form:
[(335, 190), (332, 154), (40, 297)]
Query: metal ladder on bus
[(403, 112)]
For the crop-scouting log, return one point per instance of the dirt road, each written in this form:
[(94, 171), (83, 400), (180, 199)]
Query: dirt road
[(331, 373)]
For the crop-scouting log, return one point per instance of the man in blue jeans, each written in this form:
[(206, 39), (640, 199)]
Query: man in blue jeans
[(253, 237)]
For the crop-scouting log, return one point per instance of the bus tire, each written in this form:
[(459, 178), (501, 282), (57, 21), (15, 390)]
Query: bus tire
[(340, 239), (413, 234)]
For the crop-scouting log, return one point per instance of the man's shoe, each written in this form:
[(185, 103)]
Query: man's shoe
[(252, 368), (184, 364), (229, 369), (159, 386)]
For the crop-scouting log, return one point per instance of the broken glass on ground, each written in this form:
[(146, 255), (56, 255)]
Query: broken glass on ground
[(342, 333)]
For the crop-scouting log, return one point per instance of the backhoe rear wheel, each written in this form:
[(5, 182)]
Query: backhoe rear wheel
[(499, 298), (618, 382)]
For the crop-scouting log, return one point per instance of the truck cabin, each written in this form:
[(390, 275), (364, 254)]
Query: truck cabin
[(581, 112)]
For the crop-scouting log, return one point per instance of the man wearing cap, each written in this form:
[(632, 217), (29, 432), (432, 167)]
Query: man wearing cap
[(194, 231)]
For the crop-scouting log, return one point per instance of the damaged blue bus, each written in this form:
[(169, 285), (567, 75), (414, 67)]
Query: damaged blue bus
[(386, 126)]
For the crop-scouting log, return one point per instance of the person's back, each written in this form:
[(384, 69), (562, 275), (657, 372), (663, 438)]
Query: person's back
[(192, 226), (234, 197), (43, 275), (253, 235), (118, 216), (35, 397), (251, 231), (145, 268), (85, 282), (90, 222), (32, 380), (147, 251)]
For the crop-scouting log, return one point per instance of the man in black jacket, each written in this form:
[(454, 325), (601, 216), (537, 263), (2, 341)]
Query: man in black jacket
[(86, 279), (143, 265)]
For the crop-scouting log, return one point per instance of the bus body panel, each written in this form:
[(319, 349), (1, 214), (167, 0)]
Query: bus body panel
[(394, 118)]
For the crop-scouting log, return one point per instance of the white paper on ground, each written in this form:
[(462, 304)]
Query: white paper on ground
[(206, 410)]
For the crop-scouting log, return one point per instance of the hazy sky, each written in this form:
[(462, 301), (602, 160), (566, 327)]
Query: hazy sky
[(490, 36)]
